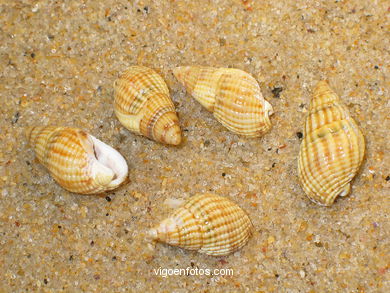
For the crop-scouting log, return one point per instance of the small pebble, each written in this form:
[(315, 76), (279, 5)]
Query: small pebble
[(302, 273), (16, 118), (276, 92)]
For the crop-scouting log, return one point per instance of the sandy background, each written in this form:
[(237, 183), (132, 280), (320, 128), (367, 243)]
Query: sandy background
[(58, 63)]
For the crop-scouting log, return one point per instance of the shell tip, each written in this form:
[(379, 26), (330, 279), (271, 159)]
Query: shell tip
[(173, 135), (322, 86), (322, 83), (164, 232), (322, 94), (176, 70), (27, 131), (180, 71)]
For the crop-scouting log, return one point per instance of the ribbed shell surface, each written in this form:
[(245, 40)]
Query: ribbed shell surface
[(232, 95), (68, 155), (142, 104), (208, 223), (332, 150)]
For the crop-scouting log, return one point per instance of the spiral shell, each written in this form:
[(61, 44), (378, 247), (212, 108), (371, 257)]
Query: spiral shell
[(207, 223), (78, 161), (142, 104), (332, 150), (232, 95)]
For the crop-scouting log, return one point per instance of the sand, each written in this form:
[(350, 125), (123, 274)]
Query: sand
[(58, 62)]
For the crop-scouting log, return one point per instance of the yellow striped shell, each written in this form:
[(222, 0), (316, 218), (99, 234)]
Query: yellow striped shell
[(142, 104), (332, 150), (207, 223), (232, 95), (78, 161)]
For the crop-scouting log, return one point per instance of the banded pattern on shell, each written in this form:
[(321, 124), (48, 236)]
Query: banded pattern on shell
[(232, 95), (142, 104), (207, 223), (76, 160), (332, 150)]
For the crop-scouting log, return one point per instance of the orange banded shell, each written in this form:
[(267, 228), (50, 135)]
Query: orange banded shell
[(232, 95), (207, 223), (332, 150), (142, 104), (78, 161)]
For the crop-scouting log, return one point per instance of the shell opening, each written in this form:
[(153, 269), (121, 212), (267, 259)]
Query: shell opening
[(268, 108), (346, 190), (111, 159)]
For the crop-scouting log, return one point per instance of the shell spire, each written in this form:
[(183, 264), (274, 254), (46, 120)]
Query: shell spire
[(323, 94), (232, 95), (207, 223), (78, 161), (142, 104), (332, 150)]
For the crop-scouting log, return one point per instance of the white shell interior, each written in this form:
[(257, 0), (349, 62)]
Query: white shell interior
[(112, 159)]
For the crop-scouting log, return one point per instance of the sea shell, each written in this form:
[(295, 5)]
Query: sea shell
[(332, 150), (232, 95), (78, 161), (142, 104), (207, 223)]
